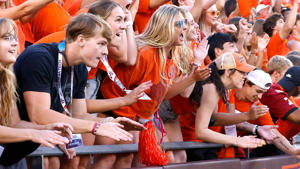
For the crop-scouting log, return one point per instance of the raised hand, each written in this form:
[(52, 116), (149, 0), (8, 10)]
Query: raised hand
[(249, 142), (230, 28), (65, 129), (128, 124), (49, 138), (254, 42), (243, 26), (263, 42), (114, 131), (257, 111), (266, 132), (201, 51), (136, 93)]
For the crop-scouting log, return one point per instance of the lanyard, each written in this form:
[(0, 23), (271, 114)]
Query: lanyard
[(113, 77), (61, 48), (111, 74)]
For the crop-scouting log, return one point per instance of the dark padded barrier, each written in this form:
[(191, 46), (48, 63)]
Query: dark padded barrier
[(274, 162), (148, 168), (207, 164)]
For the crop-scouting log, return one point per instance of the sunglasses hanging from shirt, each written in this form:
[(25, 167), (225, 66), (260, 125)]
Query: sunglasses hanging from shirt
[(113, 77)]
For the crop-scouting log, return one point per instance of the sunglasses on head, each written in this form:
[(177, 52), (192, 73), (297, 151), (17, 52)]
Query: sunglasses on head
[(268, 84), (180, 23)]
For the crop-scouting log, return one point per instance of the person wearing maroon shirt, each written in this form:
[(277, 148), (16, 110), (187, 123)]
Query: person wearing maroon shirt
[(283, 110)]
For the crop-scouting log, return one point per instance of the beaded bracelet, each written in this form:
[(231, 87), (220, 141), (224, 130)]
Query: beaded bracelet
[(96, 127)]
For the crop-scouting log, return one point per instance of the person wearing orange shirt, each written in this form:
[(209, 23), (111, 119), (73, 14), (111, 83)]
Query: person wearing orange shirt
[(50, 19), (22, 14), (155, 62), (188, 118), (257, 83), (279, 30), (145, 10), (228, 72), (190, 56)]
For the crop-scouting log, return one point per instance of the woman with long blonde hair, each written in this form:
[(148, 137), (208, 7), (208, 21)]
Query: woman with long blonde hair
[(21, 140), (156, 52)]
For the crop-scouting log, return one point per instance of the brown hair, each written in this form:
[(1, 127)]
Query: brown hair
[(87, 25), (103, 8), (270, 23), (8, 94)]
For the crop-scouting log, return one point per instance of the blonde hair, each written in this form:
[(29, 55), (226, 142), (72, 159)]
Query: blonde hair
[(8, 93), (278, 63), (87, 25), (159, 33)]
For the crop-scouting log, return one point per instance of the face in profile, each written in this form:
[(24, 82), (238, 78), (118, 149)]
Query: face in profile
[(238, 79), (192, 28), (94, 49)]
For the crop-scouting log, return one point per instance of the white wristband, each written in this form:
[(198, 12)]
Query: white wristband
[(254, 129)]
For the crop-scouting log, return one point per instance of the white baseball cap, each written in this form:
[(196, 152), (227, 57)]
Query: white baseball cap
[(260, 7), (260, 78)]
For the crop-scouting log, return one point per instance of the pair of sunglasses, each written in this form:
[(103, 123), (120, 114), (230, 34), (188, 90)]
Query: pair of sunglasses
[(215, 13), (180, 23)]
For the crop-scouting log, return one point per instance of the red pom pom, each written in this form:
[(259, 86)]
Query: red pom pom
[(150, 152)]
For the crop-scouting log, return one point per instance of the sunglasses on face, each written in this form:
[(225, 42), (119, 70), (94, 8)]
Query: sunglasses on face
[(179, 24), (214, 13)]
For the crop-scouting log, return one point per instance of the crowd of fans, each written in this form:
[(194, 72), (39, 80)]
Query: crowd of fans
[(97, 72)]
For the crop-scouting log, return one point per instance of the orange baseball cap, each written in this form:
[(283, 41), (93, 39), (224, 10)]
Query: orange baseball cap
[(233, 61)]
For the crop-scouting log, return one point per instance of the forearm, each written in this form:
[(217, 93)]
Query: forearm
[(225, 119), (283, 144), (197, 10), (188, 91), (220, 4), (292, 16), (277, 6), (180, 86), (246, 127), (103, 105), (240, 42), (131, 47), (24, 9), (259, 59), (48, 116), (156, 3), (291, 20), (208, 135), (28, 125), (9, 135)]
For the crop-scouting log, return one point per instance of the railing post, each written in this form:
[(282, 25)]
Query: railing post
[(38, 162)]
